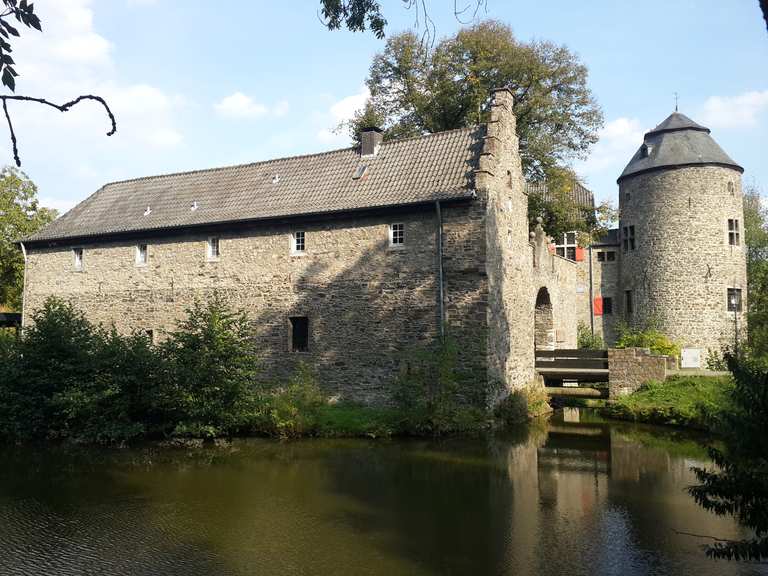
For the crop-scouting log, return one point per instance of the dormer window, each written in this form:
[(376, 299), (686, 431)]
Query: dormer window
[(645, 151)]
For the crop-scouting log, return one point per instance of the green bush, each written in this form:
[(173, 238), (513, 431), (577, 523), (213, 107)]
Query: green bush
[(585, 338), (428, 392), (210, 364), (647, 337), (294, 409)]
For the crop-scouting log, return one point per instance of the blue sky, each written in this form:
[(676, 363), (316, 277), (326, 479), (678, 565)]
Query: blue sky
[(197, 84)]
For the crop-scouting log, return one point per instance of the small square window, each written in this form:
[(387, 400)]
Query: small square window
[(397, 234), (734, 299), (610, 256), (607, 305), (299, 334), (77, 254), (214, 250), (601, 256), (142, 254), (298, 242), (734, 235)]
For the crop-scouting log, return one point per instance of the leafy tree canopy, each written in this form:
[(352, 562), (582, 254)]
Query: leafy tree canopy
[(756, 240), (560, 213), (20, 216), (417, 90)]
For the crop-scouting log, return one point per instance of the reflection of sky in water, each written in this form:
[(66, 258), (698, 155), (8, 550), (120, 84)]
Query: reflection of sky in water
[(573, 498)]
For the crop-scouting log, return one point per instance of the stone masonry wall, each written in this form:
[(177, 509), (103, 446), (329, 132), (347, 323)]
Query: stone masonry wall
[(510, 311), (631, 368), (683, 265), (367, 303), (605, 284)]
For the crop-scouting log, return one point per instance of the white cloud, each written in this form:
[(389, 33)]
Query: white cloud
[(740, 111), (71, 58), (619, 139), (239, 105), (345, 108), (340, 111)]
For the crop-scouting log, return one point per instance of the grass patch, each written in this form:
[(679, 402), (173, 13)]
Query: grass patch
[(697, 402), (346, 419)]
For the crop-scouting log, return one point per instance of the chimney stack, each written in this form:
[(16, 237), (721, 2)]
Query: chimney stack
[(370, 139)]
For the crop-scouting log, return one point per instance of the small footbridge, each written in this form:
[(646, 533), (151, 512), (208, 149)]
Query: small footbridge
[(566, 371)]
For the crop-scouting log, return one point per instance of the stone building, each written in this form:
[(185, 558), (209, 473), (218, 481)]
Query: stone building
[(346, 259), (350, 259), (677, 260)]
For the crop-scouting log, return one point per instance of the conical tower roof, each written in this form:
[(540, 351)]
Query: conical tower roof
[(677, 141)]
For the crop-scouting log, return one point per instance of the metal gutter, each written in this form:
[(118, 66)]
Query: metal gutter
[(441, 290)]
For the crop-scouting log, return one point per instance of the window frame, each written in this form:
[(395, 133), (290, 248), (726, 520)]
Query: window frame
[(400, 236), (629, 305), (212, 255), (298, 236), (78, 259), (567, 249), (607, 305), (600, 256), (739, 306), (734, 232), (138, 261), (292, 325)]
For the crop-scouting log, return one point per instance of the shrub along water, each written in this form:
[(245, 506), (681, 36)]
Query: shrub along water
[(68, 379)]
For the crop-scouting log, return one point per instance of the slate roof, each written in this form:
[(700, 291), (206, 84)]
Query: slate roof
[(409, 171), (677, 141)]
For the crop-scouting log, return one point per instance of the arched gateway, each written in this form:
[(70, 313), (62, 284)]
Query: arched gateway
[(544, 323)]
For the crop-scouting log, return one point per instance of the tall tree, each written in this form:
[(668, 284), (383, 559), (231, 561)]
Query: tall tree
[(756, 240), (20, 215), (416, 89)]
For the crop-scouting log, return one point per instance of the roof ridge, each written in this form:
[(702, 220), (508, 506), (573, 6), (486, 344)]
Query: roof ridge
[(279, 159)]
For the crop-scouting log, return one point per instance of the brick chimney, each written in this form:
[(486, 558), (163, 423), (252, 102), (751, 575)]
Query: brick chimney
[(370, 141)]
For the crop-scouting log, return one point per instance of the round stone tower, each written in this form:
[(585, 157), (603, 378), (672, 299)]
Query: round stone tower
[(681, 228)]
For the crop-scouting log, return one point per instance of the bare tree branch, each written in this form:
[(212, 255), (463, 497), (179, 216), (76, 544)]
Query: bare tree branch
[(60, 107)]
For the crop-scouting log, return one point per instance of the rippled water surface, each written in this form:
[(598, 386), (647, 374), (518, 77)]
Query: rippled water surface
[(578, 496)]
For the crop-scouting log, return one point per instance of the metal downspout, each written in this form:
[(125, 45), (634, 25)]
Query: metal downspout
[(591, 296), (440, 267), (24, 283)]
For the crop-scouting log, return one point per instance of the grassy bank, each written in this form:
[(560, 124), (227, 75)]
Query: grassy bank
[(697, 402)]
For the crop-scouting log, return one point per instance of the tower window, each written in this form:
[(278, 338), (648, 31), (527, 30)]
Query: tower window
[(213, 248), (298, 242), (733, 232), (77, 255), (299, 334), (730, 187), (734, 299), (628, 238), (628, 305), (142, 254), (397, 234), (607, 305)]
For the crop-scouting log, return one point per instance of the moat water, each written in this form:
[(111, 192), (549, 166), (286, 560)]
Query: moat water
[(575, 496)]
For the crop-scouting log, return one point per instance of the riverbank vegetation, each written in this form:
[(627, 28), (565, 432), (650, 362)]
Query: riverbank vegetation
[(67, 379), (698, 402)]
